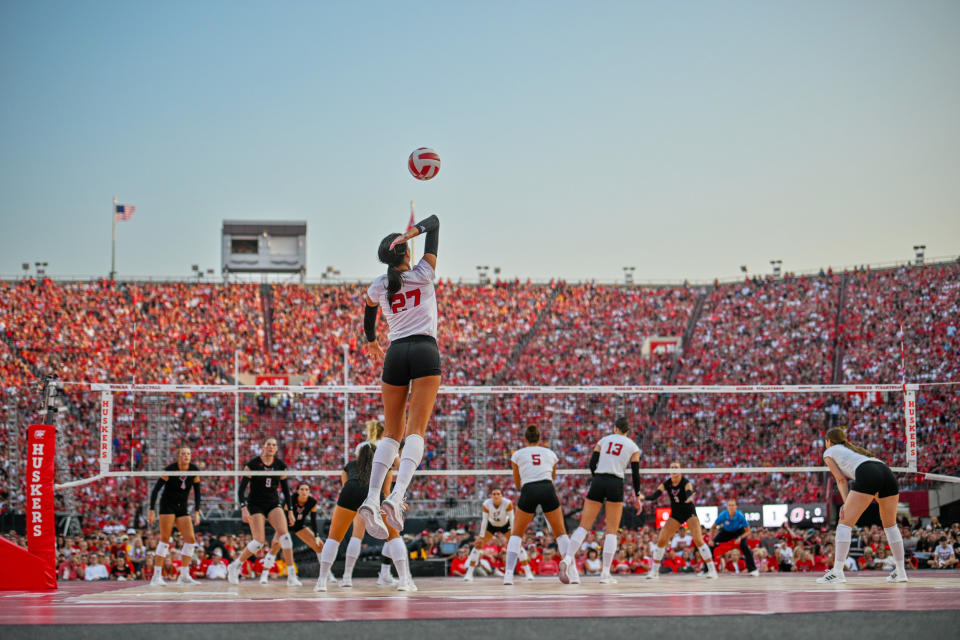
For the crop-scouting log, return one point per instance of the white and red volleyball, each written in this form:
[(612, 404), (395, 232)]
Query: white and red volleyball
[(424, 163)]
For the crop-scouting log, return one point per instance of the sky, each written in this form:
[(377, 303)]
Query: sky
[(576, 138)]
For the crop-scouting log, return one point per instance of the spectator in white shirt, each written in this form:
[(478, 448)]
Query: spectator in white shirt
[(96, 570)]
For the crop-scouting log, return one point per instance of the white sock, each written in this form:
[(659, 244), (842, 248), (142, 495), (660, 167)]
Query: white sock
[(268, 561), (513, 551), (398, 553), (328, 555), (609, 550), (574, 543), (563, 543), (895, 540), (385, 570), (657, 557), (707, 556), (353, 552), (841, 546), (410, 459), (383, 459), (472, 560)]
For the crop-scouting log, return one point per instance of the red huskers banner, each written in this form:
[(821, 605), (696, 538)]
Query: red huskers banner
[(35, 568)]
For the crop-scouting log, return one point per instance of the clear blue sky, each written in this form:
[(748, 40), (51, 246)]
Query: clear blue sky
[(682, 138)]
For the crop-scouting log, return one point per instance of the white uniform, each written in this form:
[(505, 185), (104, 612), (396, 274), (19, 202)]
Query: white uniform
[(413, 310), (615, 453), (535, 464), (847, 459), (498, 516)]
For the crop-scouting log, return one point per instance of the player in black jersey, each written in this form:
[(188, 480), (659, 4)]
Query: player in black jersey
[(263, 505), (302, 506), (682, 510), (355, 478), (173, 510)]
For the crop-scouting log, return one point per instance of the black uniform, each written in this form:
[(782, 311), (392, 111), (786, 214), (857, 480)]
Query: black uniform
[(176, 489), (301, 512), (354, 490), (680, 509), (264, 490)]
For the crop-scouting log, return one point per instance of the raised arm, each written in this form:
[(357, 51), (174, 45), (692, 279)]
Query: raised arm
[(429, 226)]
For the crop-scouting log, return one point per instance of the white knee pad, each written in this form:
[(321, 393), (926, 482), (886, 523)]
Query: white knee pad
[(353, 548), (514, 544), (253, 546), (844, 533), (163, 549), (286, 542), (893, 534), (187, 550), (329, 552), (523, 555)]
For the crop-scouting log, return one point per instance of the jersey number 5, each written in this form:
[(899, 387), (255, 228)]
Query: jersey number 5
[(398, 302), (614, 449), (535, 458)]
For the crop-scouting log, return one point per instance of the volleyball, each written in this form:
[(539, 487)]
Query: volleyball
[(424, 163)]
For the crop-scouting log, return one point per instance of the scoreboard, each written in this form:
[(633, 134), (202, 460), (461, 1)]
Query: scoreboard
[(803, 515)]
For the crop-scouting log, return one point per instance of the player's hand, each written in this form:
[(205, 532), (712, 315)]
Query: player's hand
[(290, 517), (840, 517), (151, 516), (402, 238), (374, 350), (196, 518), (244, 515)]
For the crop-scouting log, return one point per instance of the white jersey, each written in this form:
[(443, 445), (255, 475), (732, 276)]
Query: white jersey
[(615, 453), (413, 310), (847, 459), (535, 463), (498, 516)]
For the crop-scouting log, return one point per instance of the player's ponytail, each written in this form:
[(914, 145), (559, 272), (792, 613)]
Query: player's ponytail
[(838, 435), (365, 462), (374, 431), (393, 258), (532, 434)]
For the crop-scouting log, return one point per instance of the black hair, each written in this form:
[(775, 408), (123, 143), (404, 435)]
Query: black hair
[(302, 483), (393, 258), (532, 434), (365, 461), (621, 424)]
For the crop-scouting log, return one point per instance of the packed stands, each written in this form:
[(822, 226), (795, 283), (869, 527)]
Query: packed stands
[(819, 329)]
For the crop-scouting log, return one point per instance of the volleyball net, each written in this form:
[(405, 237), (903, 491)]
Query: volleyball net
[(741, 435)]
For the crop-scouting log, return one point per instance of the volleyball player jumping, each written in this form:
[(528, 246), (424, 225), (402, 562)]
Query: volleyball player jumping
[(264, 506), (411, 367), (607, 465), (872, 480), (173, 510), (682, 510)]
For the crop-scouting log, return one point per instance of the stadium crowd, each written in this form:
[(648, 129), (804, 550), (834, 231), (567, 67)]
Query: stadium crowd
[(811, 329)]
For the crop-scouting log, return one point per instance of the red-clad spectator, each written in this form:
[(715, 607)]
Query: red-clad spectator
[(460, 562)]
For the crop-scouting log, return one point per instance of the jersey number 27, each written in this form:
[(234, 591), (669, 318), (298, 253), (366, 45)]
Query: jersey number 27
[(398, 302)]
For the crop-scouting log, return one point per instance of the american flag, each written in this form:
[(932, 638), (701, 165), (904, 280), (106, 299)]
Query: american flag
[(411, 223), (125, 211)]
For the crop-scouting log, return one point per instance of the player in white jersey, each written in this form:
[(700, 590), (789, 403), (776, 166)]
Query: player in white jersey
[(534, 468), (498, 514), (411, 366), (872, 480), (608, 464)]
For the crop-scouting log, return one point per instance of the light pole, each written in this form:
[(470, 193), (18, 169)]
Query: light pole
[(628, 275), (776, 264)]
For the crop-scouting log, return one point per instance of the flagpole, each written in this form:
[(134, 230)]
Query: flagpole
[(412, 246), (113, 246)]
